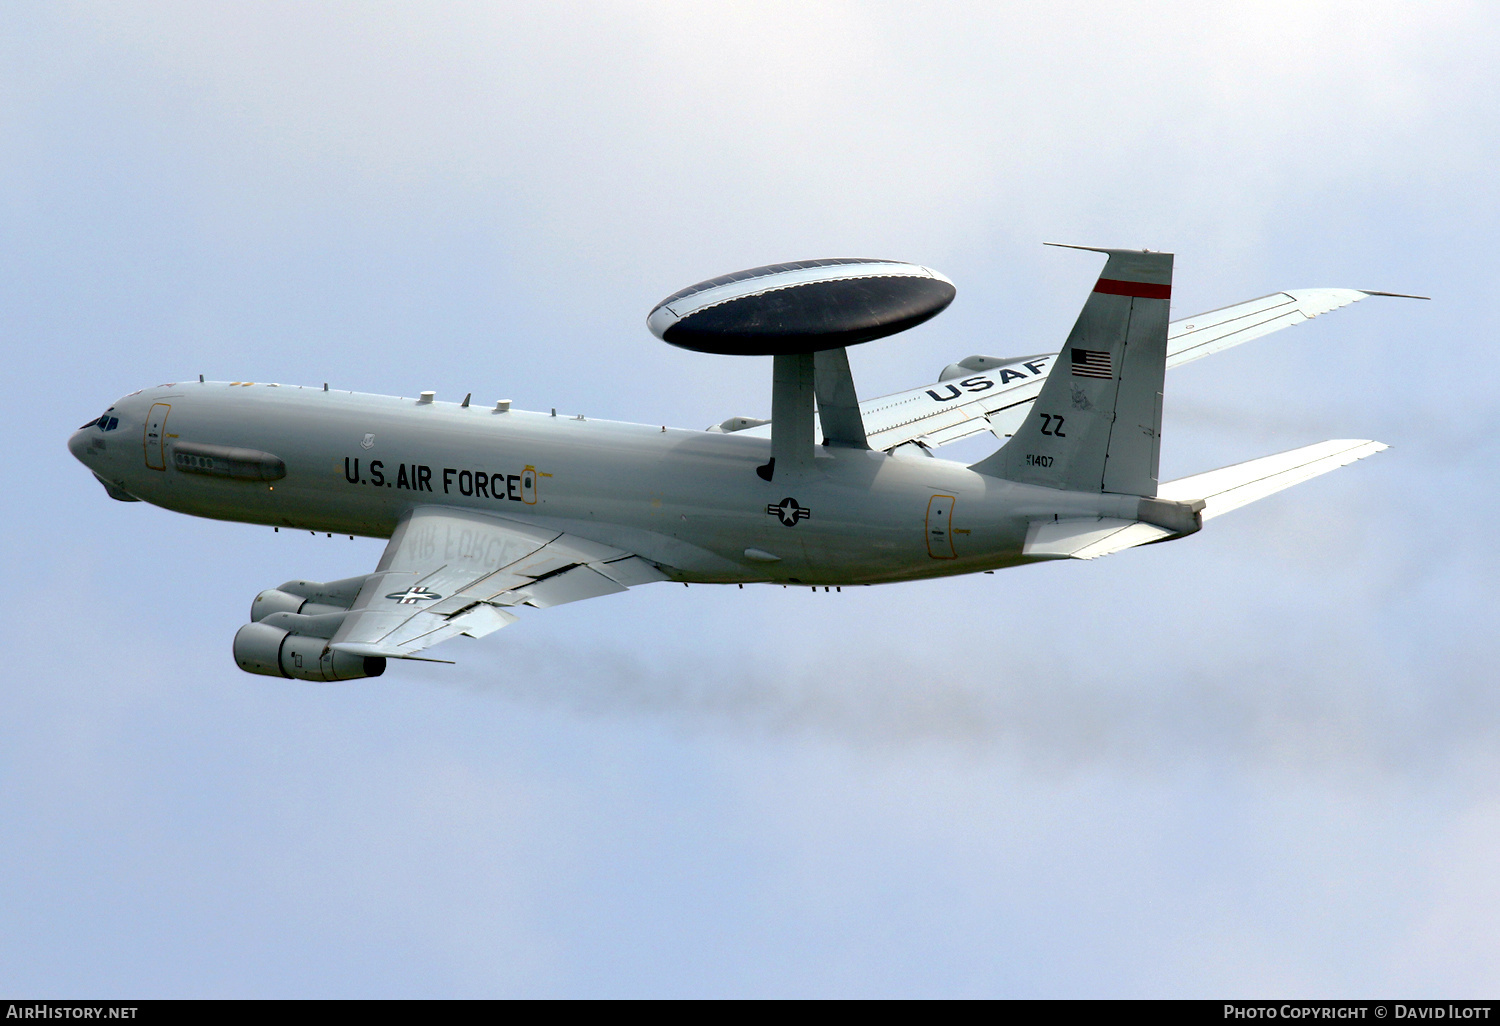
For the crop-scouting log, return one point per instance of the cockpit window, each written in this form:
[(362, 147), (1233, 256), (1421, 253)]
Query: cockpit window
[(104, 422), (91, 423)]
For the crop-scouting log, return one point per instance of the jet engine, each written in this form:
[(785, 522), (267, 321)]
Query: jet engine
[(274, 600), (307, 598), (262, 648), (290, 628)]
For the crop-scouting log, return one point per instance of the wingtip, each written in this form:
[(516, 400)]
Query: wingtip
[(1108, 251), (1087, 249), (1393, 295)]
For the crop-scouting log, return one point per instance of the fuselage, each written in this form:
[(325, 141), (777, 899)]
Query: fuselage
[(690, 501)]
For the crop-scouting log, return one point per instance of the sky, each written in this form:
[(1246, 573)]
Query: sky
[(1263, 760)]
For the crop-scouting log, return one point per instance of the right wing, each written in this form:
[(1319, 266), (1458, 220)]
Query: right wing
[(447, 572), (1194, 337), (997, 400)]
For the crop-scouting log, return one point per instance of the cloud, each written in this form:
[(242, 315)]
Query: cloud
[(678, 121)]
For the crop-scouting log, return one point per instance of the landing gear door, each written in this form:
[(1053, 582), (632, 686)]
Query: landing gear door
[(156, 436), (940, 527)]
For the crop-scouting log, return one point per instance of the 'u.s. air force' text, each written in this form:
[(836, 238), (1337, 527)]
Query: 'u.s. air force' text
[(418, 477)]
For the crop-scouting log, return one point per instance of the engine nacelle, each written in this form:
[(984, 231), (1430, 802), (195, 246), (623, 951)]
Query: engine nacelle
[(274, 600), (261, 648)]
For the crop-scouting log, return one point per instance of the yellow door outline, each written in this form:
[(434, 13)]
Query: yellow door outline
[(940, 527), (155, 440)]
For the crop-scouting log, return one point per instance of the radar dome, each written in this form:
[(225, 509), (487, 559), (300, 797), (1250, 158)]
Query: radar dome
[(801, 307)]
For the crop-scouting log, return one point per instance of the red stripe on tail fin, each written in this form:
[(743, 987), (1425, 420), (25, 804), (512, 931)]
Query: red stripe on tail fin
[(1138, 289)]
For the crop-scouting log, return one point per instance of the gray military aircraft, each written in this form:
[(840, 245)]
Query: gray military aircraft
[(492, 508)]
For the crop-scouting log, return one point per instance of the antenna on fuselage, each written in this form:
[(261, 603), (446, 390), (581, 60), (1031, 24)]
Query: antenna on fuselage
[(804, 314)]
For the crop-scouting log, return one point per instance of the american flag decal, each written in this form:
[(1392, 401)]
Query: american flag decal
[(1091, 363)]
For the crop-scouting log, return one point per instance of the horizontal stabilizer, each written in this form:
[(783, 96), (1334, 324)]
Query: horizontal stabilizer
[(1232, 487), (1088, 537), (1211, 494)]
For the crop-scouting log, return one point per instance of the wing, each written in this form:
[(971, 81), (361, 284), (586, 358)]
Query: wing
[(1194, 337), (447, 572), (949, 410), (997, 400)]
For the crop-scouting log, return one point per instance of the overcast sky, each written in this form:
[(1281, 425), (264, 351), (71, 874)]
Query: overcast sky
[(1262, 760)]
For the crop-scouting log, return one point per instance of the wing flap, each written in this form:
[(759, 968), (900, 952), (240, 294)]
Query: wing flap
[(481, 619), (580, 582), (630, 571)]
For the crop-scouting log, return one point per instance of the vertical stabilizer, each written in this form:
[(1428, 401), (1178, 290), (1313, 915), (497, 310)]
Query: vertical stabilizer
[(1096, 426)]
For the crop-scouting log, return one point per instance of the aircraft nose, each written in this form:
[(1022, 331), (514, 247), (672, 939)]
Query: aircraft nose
[(78, 445)]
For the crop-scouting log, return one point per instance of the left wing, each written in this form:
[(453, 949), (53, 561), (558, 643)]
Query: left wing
[(997, 398), (447, 572)]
